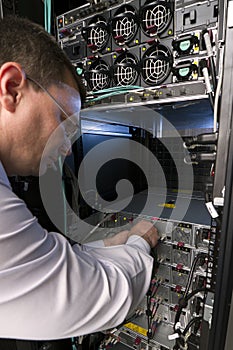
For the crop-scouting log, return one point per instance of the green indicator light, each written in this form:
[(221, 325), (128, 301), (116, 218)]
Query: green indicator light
[(183, 72), (184, 45), (79, 71)]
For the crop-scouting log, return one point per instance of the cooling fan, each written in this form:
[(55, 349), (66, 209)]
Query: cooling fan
[(125, 69), (124, 26), (182, 234), (156, 64), (155, 17), (96, 34), (181, 257), (98, 75)]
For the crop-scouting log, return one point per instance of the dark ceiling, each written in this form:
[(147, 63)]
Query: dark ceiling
[(65, 6), (35, 13)]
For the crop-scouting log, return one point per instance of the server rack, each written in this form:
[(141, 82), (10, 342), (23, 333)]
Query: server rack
[(186, 81)]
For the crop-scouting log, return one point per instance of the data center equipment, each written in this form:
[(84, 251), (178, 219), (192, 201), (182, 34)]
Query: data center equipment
[(151, 38), (156, 63), (182, 256), (192, 15), (96, 34), (125, 67), (169, 56), (156, 19), (186, 45), (97, 73), (125, 24), (180, 269)]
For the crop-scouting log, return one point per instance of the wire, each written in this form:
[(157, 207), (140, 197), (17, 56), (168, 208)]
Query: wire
[(108, 216), (1, 10), (191, 272), (47, 15), (149, 330), (191, 322), (210, 53), (211, 98), (181, 342), (116, 88), (183, 302), (191, 294), (213, 73), (209, 90), (107, 95), (218, 89), (111, 92)]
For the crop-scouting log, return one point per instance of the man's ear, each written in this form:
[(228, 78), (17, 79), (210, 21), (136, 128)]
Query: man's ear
[(12, 79)]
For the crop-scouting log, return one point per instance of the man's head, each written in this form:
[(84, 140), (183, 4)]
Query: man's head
[(28, 114), (28, 44)]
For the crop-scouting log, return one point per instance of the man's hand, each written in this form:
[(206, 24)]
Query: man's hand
[(147, 231), (143, 228)]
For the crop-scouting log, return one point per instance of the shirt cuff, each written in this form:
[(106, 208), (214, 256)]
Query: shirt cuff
[(139, 242), (94, 244)]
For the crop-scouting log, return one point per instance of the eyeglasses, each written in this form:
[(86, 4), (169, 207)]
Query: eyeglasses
[(71, 126)]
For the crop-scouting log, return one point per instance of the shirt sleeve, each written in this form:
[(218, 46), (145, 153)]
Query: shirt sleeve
[(50, 290), (134, 240)]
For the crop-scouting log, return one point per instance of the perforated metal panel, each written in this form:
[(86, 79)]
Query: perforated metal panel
[(125, 69), (125, 25), (97, 34), (98, 75), (156, 64), (155, 17)]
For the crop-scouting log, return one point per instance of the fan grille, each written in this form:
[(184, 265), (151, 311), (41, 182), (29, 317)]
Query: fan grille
[(124, 24), (156, 65), (98, 76), (125, 70), (156, 18), (97, 34)]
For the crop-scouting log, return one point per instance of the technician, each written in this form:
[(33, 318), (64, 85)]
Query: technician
[(48, 288)]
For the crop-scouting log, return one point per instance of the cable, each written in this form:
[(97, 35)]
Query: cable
[(183, 302), (1, 10), (191, 322), (97, 226), (181, 342), (111, 92), (209, 90), (116, 88), (213, 73), (191, 272), (148, 313), (107, 95), (191, 294), (218, 89), (47, 15), (210, 54)]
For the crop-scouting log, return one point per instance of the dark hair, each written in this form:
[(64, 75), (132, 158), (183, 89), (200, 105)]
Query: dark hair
[(28, 44)]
